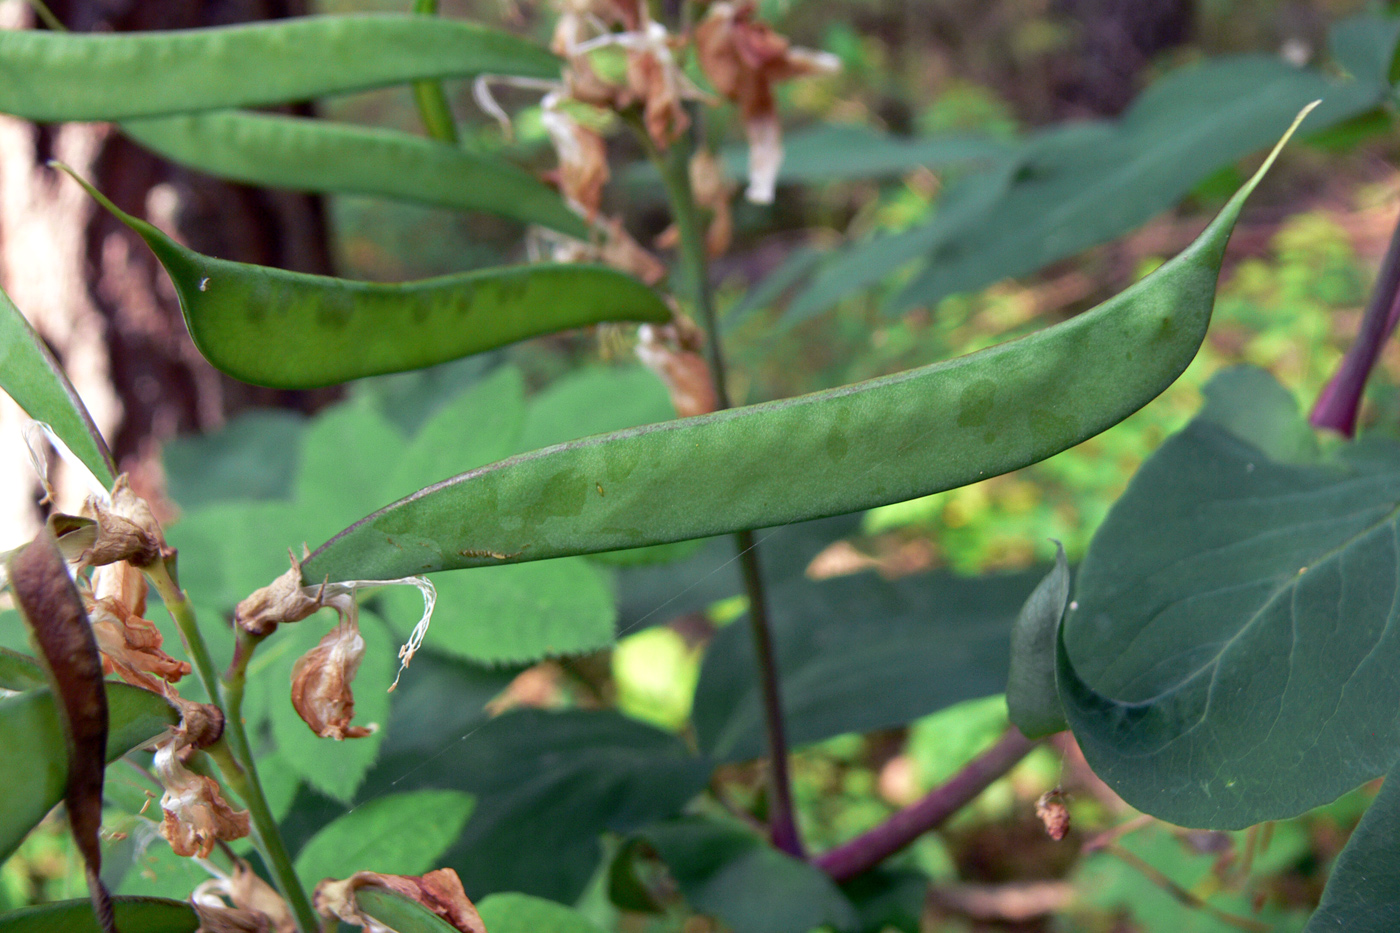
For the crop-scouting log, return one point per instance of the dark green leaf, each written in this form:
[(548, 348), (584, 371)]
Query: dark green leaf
[(133, 915), (291, 330), (279, 151), (520, 913), (851, 448), (840, 151), (729, 873), (32, 377), (1363, 893), (48, 75), (34, 768), (398, 834), (1031, 697), (546, 785), (19, 672), (1229, 657), (253, 456), (856, 652)]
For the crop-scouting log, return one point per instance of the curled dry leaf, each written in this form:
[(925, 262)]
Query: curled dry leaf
[(126, 529), (321, 680), (743, 58), (684, 372), (282, 600), (129, 642), (439, 891)]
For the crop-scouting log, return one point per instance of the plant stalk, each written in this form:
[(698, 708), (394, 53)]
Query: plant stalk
[(433, 108), (675, 172), (232, 752), (1340, 400), (871, 848)]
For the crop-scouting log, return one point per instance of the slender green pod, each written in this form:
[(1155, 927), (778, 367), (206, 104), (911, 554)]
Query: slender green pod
[(33, 378), (143, 914), (290, 330), (47, 75), (858, 446), (1032, 699), (304, 154)]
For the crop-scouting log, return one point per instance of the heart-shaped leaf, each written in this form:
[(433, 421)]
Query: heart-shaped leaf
[(1231, 654), (89, 76)]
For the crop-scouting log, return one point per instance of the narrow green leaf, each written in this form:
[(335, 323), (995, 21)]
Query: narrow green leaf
[(1363, 892), (19, 672), (1230, 654), (304, 154), (399, 834), (840, 151), (290, 330), (33, 378), (400, 914), (1031, 697), (886, 440), (133, 915), (521, 913), (34, 768), (46, 75)]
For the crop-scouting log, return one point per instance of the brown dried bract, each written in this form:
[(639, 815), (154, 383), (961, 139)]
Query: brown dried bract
[(252, 898), (282, 600), (439, 891), (126, 529), (196, 814), (743, 58), (129, 642), (321, 682)]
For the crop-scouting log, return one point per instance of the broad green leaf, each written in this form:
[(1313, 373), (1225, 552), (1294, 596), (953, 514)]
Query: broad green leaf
[(400, 914), (554, 779), (729, 873), (278, 151), (49, 76), (520, 612), (291, 330), (521, 913), (336, 769), (1031, 697), (349, 454), (133, 915), (34, 768), (253, 456), (154, 869), (855, 652), (876, 442), (1363, 892), (593, 401), (399, 834), (1230, 656), (33, 378)]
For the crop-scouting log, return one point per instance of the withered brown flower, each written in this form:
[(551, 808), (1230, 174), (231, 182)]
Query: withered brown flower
[(129, 642), (321, 681), (439, 891)]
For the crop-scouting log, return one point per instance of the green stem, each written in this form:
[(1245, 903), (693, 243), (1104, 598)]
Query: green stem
[(433, 108), (232, 751), (675, 172)]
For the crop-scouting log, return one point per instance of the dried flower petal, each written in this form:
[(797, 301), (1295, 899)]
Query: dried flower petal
[(622, 252), (196, 814), (439, 891), (743, 58), (250, 895), (321, 681), (126, 529), (130, 644), (583, 158), (684, 372)]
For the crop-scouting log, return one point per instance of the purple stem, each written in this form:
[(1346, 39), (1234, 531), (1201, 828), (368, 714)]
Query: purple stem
[(1340, 400), (870, 849)]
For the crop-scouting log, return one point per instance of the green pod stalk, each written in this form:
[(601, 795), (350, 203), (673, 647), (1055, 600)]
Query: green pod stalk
[(47, 75), (1032, 699), (290, 330), (855, 447)]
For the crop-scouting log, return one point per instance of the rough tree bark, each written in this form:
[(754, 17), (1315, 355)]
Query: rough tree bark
[(93, 290)]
